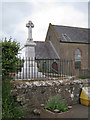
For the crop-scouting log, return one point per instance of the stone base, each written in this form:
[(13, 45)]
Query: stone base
[(29, 71), (22, 75)]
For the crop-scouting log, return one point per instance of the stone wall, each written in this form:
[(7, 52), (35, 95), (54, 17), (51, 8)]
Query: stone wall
[(31, 94)]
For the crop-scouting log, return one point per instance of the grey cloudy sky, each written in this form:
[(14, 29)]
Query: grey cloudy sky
[(16, 13)]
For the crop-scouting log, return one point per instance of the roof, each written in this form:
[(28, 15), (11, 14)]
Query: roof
[(44, 50), (72, 34)]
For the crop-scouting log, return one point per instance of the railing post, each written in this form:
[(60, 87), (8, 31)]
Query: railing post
[(32, 67), (17, 68), (20, 67), (71, 67), (26, 67), (23, 67), (62, 68), (29, 66), (47, 68)]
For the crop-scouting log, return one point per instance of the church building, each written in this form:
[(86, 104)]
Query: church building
[(65, 42)]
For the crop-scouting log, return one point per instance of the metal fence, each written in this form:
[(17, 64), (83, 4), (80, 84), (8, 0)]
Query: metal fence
[(55, 67), (84, 72), (30, 68)]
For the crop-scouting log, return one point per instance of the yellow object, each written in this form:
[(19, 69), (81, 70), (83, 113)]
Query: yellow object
[(85, 96)]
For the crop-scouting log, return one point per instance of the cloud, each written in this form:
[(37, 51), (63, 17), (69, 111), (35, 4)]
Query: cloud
[(16, 15), (55, 14), (45, 1)]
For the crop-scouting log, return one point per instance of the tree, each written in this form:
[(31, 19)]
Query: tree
[(9, 56)]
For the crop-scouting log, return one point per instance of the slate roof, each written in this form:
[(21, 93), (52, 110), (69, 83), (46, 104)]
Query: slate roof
[(72, 34), (44, 50)]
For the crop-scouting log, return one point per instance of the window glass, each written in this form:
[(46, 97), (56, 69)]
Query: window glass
[(77, 59)]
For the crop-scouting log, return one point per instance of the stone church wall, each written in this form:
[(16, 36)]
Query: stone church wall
[(67, 51)]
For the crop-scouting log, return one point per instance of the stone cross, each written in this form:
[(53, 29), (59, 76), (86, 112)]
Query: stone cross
[(29, 69), (30, 25)]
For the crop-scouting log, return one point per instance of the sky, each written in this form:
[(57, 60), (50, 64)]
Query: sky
[(16, 13)]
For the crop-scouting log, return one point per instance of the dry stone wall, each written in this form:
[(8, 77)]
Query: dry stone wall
[(32, 94)]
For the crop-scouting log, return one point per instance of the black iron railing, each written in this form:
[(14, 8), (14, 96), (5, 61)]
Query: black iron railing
[(30, 68)]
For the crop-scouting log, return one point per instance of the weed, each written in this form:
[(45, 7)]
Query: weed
[(56, 103)]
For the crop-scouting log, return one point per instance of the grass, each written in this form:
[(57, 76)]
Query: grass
[(10, 109), (83, 77), (56, 103)]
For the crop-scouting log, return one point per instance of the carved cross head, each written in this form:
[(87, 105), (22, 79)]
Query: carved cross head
[(30, 24)]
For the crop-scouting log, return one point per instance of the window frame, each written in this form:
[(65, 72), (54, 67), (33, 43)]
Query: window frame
[(74, 58)]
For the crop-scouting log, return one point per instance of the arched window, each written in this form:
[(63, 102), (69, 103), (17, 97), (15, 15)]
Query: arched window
[(77, 59)]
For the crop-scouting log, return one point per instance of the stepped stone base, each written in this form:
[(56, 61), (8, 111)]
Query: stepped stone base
[(29, 71)]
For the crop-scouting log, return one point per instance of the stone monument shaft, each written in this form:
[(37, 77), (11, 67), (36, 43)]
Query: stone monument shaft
[(30, 45)]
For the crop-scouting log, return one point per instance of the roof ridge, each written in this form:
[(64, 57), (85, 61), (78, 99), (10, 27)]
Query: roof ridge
[(41, 41), (71, 26), (76, 34)]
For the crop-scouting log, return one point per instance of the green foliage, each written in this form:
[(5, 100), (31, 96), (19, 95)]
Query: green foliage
[(83, 77), (9, 56), (56, 103), (10, 109)]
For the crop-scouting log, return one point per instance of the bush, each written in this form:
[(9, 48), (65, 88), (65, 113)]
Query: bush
[(56, 103), (9, 56), (10, 109)]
